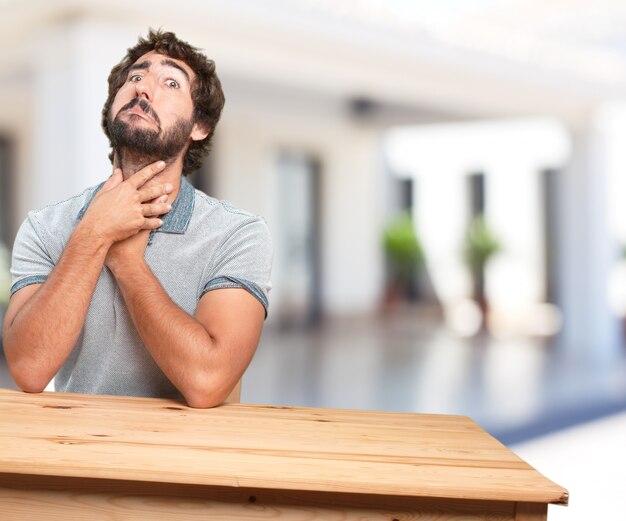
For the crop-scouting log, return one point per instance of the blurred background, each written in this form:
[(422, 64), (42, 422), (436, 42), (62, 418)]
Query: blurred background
[(443, 181)]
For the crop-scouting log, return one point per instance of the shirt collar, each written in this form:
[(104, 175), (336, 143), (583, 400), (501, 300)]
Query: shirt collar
[(174, 221)]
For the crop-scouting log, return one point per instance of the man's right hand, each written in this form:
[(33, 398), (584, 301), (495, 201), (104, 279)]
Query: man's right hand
[(121, 208)]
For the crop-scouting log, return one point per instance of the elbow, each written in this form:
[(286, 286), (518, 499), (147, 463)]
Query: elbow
[(202, 402), (35, 389), (29, 385), (203, 399), (25, 378), (206, 396)]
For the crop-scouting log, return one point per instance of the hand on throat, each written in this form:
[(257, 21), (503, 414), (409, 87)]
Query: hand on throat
[(131, 162)]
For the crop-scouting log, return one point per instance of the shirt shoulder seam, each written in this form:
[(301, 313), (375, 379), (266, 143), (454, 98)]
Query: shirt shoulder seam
[(225, 205), (64, 201)]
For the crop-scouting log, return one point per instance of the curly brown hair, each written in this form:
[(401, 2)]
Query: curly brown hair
[(206, 91)]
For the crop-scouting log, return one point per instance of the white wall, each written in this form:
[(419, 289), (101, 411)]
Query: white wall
[(252, 134)]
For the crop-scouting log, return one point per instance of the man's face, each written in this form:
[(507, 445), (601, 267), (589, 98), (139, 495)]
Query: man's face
[(152, 113)]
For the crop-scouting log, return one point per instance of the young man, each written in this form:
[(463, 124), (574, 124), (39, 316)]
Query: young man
[(143, 286)]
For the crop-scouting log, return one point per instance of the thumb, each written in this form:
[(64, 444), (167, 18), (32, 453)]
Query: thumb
[(115, 179)]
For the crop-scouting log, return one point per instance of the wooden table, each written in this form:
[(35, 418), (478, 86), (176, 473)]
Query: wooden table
[(70, 457)]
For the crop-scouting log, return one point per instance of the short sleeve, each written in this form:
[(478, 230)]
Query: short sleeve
[(244, 260), (31, 261)]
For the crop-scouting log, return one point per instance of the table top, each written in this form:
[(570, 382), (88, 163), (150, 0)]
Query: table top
[(262, 446)]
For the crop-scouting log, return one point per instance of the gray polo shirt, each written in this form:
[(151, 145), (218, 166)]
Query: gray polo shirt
[(203, 245)]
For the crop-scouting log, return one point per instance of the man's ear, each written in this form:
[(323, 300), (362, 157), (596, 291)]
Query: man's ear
[(199, 132)]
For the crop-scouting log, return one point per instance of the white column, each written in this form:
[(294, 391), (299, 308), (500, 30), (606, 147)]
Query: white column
[(440, 218), (71, 63), (516, 276), (352, 210), (585, 249)]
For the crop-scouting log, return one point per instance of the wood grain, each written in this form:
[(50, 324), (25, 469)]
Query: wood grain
[(45, 498), (531, 512), (254, 446)]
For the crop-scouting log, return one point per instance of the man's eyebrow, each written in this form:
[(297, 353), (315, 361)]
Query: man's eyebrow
[(144, 65), (172, 63)]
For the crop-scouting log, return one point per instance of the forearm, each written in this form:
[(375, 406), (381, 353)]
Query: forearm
[(40, 337), (184, 350)]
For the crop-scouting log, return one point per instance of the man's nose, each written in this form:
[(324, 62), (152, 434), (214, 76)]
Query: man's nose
[(143, 90)]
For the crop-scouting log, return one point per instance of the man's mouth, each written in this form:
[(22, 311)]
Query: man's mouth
[(138, 112), (140, 107)]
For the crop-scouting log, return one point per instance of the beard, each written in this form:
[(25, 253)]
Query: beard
[(147, 143)]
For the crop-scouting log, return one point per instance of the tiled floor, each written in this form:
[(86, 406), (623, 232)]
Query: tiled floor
[(516, 389)]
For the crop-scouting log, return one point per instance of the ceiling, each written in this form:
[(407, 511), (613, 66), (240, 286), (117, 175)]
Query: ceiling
[(583, 38), (472, 58)]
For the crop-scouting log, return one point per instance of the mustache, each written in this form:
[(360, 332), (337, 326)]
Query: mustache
[(143, 105)]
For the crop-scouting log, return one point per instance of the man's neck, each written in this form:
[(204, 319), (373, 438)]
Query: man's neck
[(131, 163)]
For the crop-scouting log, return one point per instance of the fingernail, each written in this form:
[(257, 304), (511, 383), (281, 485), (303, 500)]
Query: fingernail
[(169, 207), (161, 164), (168, 187)]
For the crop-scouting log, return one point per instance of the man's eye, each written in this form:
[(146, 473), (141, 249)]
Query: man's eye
[(173, 84), (135, 78)]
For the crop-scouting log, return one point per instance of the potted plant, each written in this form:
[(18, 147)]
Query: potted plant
[(404, 257), (481, 244)]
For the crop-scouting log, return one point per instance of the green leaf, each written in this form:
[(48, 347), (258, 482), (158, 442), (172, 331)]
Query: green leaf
[(480, 243)]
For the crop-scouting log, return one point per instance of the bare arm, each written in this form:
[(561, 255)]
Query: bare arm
[(203, 355), (44, 321)]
